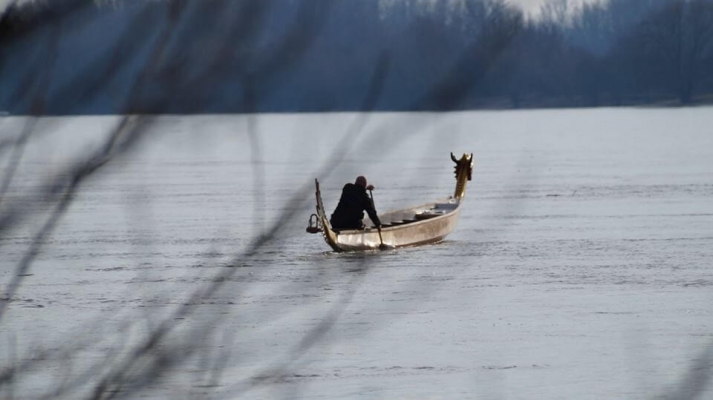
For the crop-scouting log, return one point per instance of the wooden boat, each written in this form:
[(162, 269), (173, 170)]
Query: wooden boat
[(413, 226)]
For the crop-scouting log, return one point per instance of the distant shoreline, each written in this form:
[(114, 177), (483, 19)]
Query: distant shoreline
[(492, 105)]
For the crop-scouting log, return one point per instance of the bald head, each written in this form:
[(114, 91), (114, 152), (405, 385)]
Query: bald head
[(360, 181)]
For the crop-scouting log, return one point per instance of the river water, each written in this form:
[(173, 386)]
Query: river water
[(581, 266)]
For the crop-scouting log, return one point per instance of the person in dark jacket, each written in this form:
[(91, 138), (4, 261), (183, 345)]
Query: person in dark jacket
[(351, 207)]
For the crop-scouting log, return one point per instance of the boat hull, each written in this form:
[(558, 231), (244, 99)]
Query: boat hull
[(414, 234)]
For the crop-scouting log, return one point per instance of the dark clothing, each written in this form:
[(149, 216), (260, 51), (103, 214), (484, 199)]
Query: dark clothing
[(351, 207)]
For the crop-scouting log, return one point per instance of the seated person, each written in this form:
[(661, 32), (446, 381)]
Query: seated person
[(351, 207)]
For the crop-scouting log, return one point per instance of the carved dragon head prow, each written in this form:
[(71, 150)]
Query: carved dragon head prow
[(464, 173)]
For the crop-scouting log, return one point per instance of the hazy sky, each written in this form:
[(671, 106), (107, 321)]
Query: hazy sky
[(533, 6), (528, 5)]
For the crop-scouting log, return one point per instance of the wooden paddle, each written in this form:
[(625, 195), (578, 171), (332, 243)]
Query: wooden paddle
[(382, 246)]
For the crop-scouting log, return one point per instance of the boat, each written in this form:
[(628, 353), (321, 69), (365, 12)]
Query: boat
[(418, 225)]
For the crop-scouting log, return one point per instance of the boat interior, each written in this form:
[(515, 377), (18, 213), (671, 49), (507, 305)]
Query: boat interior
[(414, 214)]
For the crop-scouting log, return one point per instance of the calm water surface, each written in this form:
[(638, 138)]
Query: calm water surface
[(581, 267)]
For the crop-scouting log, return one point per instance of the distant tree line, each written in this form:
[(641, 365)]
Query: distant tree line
[(613, 52), (631, 51)]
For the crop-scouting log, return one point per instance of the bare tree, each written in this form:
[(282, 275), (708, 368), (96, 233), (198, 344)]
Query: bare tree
[(125, 372), (225, 43)]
